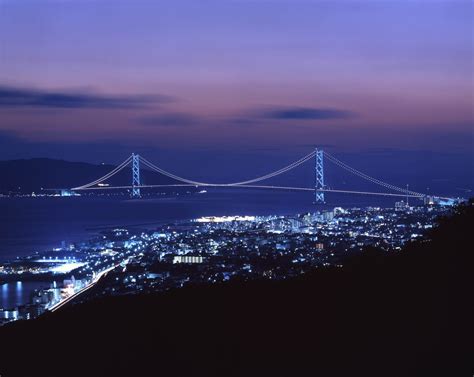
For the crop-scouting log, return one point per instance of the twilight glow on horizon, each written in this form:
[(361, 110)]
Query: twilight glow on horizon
[(115, 76)]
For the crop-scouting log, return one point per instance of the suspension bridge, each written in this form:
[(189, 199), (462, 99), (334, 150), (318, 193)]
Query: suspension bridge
[(320, 189)]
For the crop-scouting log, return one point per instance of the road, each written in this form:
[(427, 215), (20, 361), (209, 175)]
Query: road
[(86, 288)]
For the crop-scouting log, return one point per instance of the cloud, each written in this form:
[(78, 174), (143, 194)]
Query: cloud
[(304, 113), (185, 119), (248, 118), (169, 120), (28, 97)]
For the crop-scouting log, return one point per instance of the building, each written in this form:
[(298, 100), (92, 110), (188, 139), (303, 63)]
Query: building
[(188, 259)]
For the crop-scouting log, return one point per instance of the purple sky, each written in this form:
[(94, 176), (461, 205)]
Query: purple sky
[(96, 80)]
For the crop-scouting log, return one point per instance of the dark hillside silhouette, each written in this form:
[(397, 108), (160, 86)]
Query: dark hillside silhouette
[(404, 314)]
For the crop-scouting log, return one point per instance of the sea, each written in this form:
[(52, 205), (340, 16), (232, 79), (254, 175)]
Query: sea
[(36, 224)]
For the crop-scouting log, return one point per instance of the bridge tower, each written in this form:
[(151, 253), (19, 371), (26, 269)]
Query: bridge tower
[(135, 176), (319, 170)]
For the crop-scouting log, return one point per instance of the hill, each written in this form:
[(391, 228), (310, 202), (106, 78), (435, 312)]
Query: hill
[(409, 314), (31, 175)]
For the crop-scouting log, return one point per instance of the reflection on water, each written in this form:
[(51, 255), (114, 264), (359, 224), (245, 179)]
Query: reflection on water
[(18, 293), (28, 225), (37, 224)]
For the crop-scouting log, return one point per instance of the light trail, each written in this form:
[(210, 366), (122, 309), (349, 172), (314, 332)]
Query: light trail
[(81, 291)]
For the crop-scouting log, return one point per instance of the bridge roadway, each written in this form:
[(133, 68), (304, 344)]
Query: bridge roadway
[(252, 186), (319, 188)]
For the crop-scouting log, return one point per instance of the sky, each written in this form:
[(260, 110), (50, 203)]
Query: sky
[(232, 86)]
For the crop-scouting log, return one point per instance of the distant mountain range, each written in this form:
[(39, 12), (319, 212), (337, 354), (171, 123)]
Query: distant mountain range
[(37, 174)]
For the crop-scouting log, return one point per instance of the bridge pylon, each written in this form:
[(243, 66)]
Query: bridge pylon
[(319, 173), (135, 176)]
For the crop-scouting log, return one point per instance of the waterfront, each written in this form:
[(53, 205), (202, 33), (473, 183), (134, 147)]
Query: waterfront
[(29, 225), (19, 292), (270, 245)]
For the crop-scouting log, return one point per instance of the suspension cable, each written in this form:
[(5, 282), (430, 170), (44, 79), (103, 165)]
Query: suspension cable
[(258, 179), (278, 172), (254, 180), (369, 178), (106, 176), (170, 175)]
